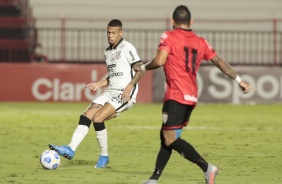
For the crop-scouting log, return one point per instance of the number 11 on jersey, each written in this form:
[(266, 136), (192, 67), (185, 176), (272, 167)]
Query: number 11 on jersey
[(194, 53)]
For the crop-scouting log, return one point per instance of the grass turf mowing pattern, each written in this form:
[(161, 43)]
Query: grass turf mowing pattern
[(245, 141)]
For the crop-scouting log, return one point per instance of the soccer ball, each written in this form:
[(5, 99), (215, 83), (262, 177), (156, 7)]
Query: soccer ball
[(50, 159)]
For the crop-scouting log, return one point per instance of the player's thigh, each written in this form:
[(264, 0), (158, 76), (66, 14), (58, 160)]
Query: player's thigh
[(104, 113), (96, 105), (175, 115), (110, 100), (119, 108), (92, 109), (169, 136), (124, 107)]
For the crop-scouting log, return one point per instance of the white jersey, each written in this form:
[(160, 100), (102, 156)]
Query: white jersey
[(119, 60)]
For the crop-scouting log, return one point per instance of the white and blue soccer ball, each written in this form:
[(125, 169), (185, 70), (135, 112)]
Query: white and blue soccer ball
[(50, 159)]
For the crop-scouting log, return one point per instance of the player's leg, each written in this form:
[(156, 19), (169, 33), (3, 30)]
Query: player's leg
[(79, 133), (175, 117), (162, 159), (108, 111), (164, 152), (186, 150), (189, 152), (83, 125), (99, 118), (125, 107), (172, 132)]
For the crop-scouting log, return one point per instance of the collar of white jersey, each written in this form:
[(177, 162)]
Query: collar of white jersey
[(116, 44)]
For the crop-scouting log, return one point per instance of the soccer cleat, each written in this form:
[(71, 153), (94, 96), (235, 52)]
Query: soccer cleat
[(65, 151), (211, 174), (150, 181), (102, 161)]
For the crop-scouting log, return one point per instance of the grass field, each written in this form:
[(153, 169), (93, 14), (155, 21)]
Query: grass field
[(245, 141)]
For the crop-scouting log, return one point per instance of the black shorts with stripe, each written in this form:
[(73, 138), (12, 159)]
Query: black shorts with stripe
[(175, 115)]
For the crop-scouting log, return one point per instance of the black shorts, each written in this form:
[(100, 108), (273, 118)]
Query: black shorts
[(175, 115)]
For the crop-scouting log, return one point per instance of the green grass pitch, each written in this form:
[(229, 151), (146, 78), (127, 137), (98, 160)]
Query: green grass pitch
[(245, 141)]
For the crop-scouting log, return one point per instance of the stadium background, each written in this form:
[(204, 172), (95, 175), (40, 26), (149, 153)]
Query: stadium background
[(71, 34)]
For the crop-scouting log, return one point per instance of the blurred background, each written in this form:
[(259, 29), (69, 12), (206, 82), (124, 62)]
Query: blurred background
[(50, 49)]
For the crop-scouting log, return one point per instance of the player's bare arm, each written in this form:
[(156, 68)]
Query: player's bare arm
[(138, 74), (158, 61), (227, 70), (135, 79), (95, 85), (224, 67)]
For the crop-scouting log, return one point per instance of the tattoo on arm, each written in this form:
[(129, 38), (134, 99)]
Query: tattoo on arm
[(224, 67), (138, 74)]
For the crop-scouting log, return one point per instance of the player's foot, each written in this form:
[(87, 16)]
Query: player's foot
[(211, 174), (150, 181), (102, 161), (65, 151)]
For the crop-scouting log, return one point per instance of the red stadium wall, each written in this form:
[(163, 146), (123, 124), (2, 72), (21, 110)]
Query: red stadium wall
[(58, 82), (65, 83)]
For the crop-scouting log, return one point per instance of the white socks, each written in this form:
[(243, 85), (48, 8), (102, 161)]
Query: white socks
[(102, 138), (78, 135), (81, 131)]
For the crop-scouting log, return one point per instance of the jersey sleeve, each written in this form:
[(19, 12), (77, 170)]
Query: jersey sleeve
[(209, 51), (131, 54), (165, 42)]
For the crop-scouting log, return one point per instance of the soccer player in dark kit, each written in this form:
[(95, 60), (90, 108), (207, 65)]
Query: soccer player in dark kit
[(180, 52)]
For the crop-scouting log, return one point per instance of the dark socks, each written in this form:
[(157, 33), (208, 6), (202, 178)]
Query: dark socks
[(162, 159), (188, 152)]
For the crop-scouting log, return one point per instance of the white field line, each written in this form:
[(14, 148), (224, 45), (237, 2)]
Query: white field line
[(147, 127)]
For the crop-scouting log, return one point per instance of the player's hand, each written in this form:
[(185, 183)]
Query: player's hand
[(246, 88), (126, 93), (92, 86)]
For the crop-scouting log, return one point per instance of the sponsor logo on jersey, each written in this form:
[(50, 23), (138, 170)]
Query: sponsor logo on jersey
[(117, 74), (111, 68), (112, 65), (190, 98)]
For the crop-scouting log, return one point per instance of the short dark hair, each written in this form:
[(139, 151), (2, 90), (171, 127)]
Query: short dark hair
[(115, 23), (181, 15)]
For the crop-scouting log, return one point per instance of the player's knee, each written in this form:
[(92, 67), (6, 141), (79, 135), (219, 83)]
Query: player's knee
[(98, 118), (89, 116), (170, 136), (169, 139)]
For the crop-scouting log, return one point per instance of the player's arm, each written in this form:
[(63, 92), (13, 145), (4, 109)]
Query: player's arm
[(158, 61), (224, 67), (227, 70), (138, 75), (95, 85)]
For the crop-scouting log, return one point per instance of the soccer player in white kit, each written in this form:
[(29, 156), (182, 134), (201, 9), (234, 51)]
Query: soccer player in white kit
[(122, 60)]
